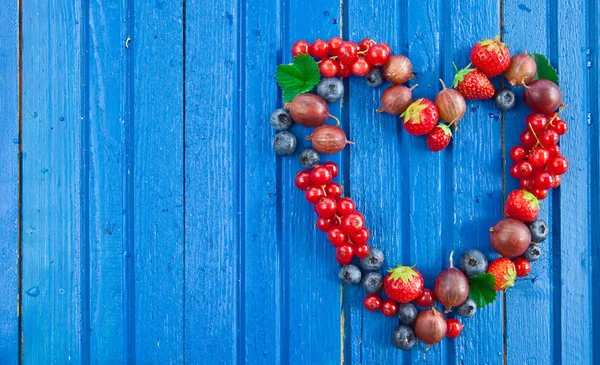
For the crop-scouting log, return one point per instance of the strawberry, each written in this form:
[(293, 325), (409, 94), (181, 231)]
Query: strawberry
[(420, 117), (490, 56), (439, 137), (473, 84), (522, 205), (504, 271), (403, 284)]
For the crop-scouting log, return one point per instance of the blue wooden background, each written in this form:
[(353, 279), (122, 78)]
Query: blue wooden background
[(145, 218)]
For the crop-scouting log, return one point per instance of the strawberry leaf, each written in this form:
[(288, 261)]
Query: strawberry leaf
[(404, 273), (300, 77), (460, 75), (481, 289), (545, 71)]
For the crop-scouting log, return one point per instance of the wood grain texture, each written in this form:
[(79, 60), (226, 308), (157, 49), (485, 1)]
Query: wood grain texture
[(9, 182)]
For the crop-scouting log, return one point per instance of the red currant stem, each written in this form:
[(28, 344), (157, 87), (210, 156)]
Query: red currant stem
[(337, 121), (363, 52), (443, 85), (536, 137), (560, 110)]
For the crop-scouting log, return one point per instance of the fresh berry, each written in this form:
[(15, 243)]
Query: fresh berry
[(303, 180), (557, 181), (522, 266), (490, 56), (386, 46), (324, 223), (473, 84), (522, 205), (329, 68), (345, 206), (377, 54), (334, 44), (553, 150), (557, 165), (300, 47), (454, 328), (321, 175), (284, 143), (344, 254), (281, 119), (374, 261), (319, 49), (352, 223), (346, 52), (504, 271), (526, 183), (404, 338), (361, 237), (439, 138), (333, 167), (365, 44), (331, 89), (539, 230), (536, 122), (407, 313), (374, 78), (344, 70), (540, 194), (521, 169), (372, 282), (333, 190), (360, 67), (309, 158), (527, 138), (337, 237), (349, 274), (426, 299), (389, 308), (372, 302), (542, 179), (313, 194), (326, 206), (533, 253), (559, 126), (403, 284), (420, 117), (361, 250), (548, 138), (518, 153), (538, 157), (473, 262), (505, 99), (467, 308)]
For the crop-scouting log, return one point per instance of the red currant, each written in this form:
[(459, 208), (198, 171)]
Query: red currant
[(303, 180), (321, 175), (518, 153), (372, 302), (454, 328), (344, 254), (557, 180), (334, 44), (537, 122), (326, 206), (557, 165), (333, 190), (528, 138), (361, 237), (553, 150), (336, 236), (542, 180), (522, 266), (352, 223), (559, 126), (365, 44), (387, 46), (426, 298), (378, 54), (538, 157), (361, 250), (333, 167), (313, 194), (300, 47), (526, 183), (329, 67), (345, 206), (344, 70), (319, 49), (548, 138), (346, 53), (324, 223), (389, 308), (541, 194), (361, 67), (525, 168)]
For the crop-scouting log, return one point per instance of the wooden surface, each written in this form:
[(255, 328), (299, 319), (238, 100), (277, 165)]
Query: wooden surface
[(156, 225)]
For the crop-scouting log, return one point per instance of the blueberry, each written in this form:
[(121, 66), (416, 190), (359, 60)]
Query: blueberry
[(404, 337), (532, 253), (309, 158), (281, 119), (284, 143), (374, 261), (467, 309), (473, 263), (374, 78), (407, 313), (539, 230), (372, 282), (505, 99), (349, 274), (331, 89)]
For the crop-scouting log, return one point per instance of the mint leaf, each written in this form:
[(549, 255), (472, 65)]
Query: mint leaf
[(300, 77), (481, 289), (545, 71)]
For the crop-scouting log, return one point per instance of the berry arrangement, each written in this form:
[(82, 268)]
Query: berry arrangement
[(426, 315)]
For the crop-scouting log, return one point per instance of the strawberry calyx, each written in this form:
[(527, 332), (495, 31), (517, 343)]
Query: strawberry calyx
[(413, 112), (531, 198), (445, 128), (493, 45), (509, 278), (460, 74), (404, 273)]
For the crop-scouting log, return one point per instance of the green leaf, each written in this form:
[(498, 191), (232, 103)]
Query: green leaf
[(404, 273), (545, 71), (300, 77), (481, 289)]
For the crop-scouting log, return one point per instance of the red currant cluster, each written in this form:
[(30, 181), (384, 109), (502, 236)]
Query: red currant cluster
[(538, 163), (337, 215), (344, 58)]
